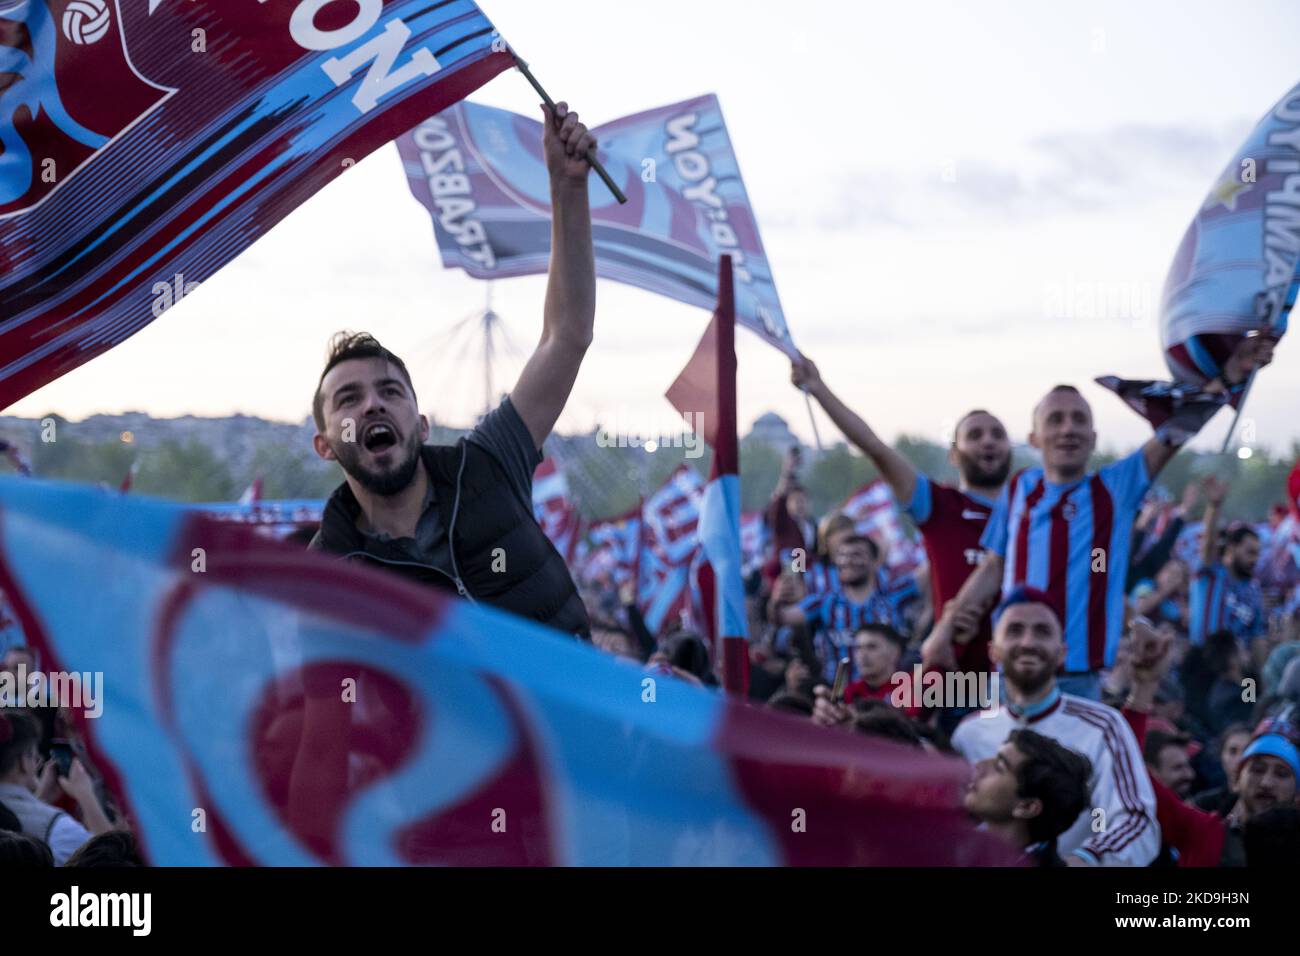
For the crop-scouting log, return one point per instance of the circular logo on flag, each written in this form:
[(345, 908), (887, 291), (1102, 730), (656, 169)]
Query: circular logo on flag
[(85, 21)]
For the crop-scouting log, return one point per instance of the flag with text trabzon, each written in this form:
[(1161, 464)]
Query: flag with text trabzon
[(481, 175)]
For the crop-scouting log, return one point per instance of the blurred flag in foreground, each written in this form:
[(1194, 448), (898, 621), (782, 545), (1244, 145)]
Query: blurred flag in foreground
[(145, 145), (481, 175), (262, 704), (705, 392)]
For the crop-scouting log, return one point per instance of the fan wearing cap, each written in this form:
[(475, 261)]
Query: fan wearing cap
[(1118, 825), (1266, 779), (1269, 769)]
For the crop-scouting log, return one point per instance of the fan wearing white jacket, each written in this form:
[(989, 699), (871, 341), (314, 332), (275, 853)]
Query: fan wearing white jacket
[(1118, 828)]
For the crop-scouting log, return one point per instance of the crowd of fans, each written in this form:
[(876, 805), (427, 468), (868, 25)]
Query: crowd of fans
[(1129, 703), (1180, 719)]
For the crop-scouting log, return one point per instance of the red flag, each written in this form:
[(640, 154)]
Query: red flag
[(705, 394), (252, 495), (1293, 491)]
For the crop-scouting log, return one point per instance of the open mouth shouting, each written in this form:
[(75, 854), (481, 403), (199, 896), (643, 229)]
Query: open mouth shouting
[(379, 437)]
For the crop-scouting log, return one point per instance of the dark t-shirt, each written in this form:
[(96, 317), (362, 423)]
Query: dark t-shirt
[(503, 434)]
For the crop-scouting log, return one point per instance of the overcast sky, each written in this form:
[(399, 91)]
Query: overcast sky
[(936, 183)]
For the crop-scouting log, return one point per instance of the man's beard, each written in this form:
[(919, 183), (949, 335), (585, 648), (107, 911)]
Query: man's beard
[(978, 477), (1027, 685), (385, 483)]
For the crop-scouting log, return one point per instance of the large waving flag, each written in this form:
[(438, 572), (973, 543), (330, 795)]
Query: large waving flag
[(266, 705), (1237, 269), (146, 143), (558, 516), (705, 392), (481, 174), (670, 521)]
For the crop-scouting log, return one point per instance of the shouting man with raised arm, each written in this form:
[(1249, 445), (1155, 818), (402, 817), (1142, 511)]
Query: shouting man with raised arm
[(951, 520), (461, 517), (1066, 531)]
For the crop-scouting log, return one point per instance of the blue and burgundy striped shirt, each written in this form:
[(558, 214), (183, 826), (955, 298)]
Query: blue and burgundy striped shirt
[(1220, 601), (1072, 541), (835, 620)]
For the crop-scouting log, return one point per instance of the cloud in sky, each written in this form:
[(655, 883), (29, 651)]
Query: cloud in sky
[(946, 192), (1062, 172)]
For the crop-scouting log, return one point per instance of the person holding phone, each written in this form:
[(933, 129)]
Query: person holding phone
[(24, 781)]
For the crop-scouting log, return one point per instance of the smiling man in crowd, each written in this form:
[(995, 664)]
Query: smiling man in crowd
[(461, 517)]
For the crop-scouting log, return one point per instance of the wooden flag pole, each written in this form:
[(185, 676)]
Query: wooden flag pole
[(591, 153)]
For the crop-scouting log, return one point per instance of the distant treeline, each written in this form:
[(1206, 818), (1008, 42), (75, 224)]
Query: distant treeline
[(603, 481)]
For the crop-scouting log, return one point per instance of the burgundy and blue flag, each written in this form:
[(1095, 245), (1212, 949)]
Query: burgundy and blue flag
[(266, 705), (146, 143), (705, 391)]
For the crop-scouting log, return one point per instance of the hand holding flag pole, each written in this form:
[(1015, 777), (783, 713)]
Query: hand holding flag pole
[(591, 153), (1258, 353)]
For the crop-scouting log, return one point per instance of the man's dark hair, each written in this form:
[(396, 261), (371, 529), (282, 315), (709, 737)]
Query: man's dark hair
[(1158, 740), (9, 821), (877, 718), (19, 733), (114, 848), (863, 539), (885, 631), (1230, 731), (691, 654), (1220, 650), (21, 850), (1272, 838), (1054, 775), (787, 702), (1239, 533), (962, 421), (343, 347)]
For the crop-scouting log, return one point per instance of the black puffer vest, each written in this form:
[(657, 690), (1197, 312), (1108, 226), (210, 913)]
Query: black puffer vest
[(481, 515)]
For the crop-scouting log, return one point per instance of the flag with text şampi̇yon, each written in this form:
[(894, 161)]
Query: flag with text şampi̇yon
[(481, 174), (311, 711), (146, 143)]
